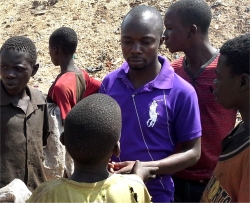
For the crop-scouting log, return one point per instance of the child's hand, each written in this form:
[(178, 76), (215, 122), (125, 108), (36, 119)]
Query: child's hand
[(145, 173)]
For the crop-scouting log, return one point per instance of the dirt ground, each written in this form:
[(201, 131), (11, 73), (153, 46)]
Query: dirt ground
[(97, 23)]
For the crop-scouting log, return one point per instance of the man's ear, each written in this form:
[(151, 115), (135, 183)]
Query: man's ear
[(35, 69), (62, 138), (245, 82), (192, 31), (116, 149)]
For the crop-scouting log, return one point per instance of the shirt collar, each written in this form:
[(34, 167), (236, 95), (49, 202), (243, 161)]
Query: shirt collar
[(164, 80), (35, 97)]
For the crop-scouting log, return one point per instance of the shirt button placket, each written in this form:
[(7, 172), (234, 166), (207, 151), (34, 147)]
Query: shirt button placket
[(29, 151)]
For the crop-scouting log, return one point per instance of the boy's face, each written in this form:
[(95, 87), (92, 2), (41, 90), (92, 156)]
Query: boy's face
[(15, 71), (52, 53), (226, 85), (176, 35)]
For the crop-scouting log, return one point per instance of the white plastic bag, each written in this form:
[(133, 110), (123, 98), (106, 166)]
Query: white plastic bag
[(16, 192), (57, 160)]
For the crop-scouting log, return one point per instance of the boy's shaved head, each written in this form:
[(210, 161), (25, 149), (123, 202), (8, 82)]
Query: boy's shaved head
[(21, 44), (92, 129), (237, 51), (64, 38), (191, 12), (141, 13)]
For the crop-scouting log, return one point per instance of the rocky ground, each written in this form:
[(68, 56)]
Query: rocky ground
[(97, 23)]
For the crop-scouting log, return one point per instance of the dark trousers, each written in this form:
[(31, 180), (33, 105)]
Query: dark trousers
[(188, 190)]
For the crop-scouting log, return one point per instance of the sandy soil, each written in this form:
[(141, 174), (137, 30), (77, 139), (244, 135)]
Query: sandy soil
[(97, 23)]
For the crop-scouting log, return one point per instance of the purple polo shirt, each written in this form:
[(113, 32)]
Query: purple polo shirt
[(155, 118)]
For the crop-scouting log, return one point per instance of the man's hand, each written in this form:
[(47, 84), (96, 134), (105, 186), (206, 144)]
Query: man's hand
[(134, 167), (145, 173), (123, 167), (113, 166)]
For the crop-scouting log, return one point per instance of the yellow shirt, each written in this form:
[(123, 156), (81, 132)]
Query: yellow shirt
[(117, 188)]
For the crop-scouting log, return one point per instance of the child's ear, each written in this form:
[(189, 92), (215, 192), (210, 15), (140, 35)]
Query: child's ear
[(245, 82), (192, 31), (62, 138), (116, 149), (55, 50), (35, 69)]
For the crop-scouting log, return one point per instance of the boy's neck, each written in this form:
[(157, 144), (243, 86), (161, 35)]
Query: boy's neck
[(89, 174), (67, 65), (199, 54), (21, 100)]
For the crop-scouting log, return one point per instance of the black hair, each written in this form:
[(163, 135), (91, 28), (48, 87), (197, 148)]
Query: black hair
[(21, 44), (237, 51), (137, 12), (196, 12), (64, 38), (92, 128)]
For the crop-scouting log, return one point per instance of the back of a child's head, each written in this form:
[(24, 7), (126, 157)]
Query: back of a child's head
[(237, 51), (64, 38), (23, 45), (92, 129)]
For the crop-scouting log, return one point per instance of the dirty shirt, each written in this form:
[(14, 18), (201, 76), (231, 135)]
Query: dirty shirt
[(23, 136)]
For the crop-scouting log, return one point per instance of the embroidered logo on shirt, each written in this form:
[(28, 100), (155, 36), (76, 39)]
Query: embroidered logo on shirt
[(152, 114)]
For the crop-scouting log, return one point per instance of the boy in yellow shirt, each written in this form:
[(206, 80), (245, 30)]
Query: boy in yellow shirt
[(91, 135)]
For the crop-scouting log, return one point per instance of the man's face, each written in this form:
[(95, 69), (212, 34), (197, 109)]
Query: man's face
[(176, 34), (226, 85), (15, 71), (140, 41)]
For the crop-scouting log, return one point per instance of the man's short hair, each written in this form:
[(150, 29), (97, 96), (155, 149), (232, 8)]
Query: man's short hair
[(137, 12), (23, 45), (92, 128), (191, 12), (237, 51), (64, 38)]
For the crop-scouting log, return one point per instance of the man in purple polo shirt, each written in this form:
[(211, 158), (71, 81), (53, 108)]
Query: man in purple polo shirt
[(159, 109)]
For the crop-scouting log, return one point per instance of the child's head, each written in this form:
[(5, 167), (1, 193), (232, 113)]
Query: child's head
[(193, 12), (237, 55), (232, 82), (63, 39), (18, 63), (92, 129)]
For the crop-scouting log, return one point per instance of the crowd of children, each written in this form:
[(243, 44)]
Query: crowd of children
[(156, 131)]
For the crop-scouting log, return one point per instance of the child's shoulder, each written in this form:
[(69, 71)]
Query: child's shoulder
[(127, 187), (125, 181), (51, 183), (37, 94), (65, 80), (132, 178), (43, 189)]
